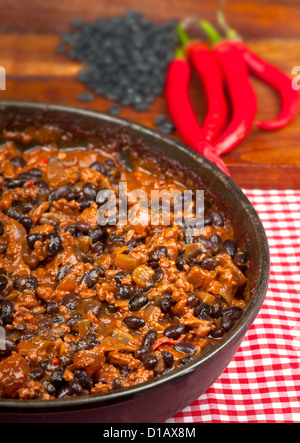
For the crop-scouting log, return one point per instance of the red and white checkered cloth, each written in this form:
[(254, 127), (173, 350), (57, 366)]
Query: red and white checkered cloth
[(262, 383)]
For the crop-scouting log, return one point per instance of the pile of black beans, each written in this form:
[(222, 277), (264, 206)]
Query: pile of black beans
[(126, 58)]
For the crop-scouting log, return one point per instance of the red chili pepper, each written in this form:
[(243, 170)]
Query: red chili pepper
[(182, 112), (212, 79), (242, 95), (269, 74), (166, 341)]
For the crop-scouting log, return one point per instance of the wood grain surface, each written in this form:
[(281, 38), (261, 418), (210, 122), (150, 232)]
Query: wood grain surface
[(30, 31)]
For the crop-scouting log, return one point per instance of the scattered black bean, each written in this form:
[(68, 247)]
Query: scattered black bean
[(126, 57), (32, 239), (85, 97)]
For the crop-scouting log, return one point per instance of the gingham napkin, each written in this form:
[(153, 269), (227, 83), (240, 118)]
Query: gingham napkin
[(262, 383)]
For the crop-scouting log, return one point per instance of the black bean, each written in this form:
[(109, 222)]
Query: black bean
[(138, 301), (37, 374), (165, 305), (209, 263), (32, 239), (234, 312), (185, 347), (133, 322), (150, 361), (98, 248), (85, 97), (205, 242), (18, 161), (52, 308), (24, 282), (1, 228), (230, 247), (186, 360), (117, 384), (150, 338), (174, 331), (216, 310), (65, 192), (227, 322), (64, 392), (97, 235), (3, 282), (70, 301), (180, 263), (94, 307), (13, 213), (103, 196), (82, 227), (84, 202), (14, 183), (194, 300), (217, 218), (157, 253), (142, 351), (26, 222), (51, 389), (75, 387), (87, 344), (241, 259), (43, 186), (3, 248), (99, 167), (114, 110), (168, 359), (92, 277), (83, 379), (65, 270), (158, 276), (90, 190), (7, 311), (125, 292), (216, 333), (54, 245), (35, 172)]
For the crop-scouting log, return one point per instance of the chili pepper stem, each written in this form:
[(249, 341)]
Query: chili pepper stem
[(211, 32), (182, 35), (230, 33)]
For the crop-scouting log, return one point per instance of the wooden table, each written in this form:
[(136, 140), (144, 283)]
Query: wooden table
[(29, 34)]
